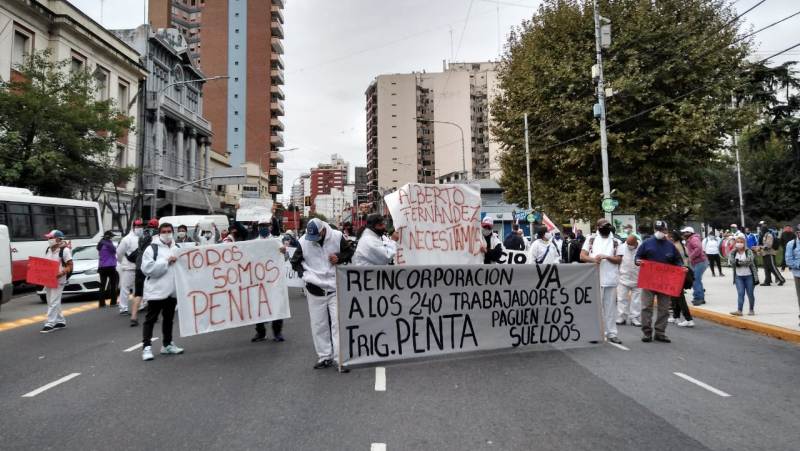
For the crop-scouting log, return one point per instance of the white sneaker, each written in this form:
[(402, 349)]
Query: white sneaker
[(685, 323), (671, 320), (171, 349), (636, 322), (147, 353)]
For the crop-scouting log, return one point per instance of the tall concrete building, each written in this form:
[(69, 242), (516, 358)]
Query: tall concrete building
[(415, 123), (243, 40), (327, 176)]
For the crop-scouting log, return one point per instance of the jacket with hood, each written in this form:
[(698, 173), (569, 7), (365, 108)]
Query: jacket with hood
[(310, 260), (374, 249), (694, 249), (160, 281), (128, 245)]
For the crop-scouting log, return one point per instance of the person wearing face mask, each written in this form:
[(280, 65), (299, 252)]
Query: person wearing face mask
[(629, 295), (57, 250), (602, 250), (183, 236), (657, 249), (127, 254), (698, 262), (138, 283), (158, 265), (627, 230), (711, 247), (264, 230), (107, 268), (374, 247), (745, 275), (558, 241), (792, 260), (321, 249), (543, 250), (492, 247), (206, 233), (514, 242)]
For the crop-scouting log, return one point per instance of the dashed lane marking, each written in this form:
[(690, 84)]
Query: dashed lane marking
[(624, 348), (716, 391), (138, 345), (380, 378), (44, 388), (41, 318), (377, 447)]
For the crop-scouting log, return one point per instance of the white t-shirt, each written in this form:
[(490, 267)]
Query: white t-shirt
[(54, 255), (545, 253), (628, 271), (742, 270), (609, 272), (711, 245)]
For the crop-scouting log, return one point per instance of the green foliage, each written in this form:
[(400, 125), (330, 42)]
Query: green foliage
[(55, 137), (673, 66)]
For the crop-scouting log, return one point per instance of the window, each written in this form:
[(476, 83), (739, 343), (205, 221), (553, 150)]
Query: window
[(77, 63), (121, 160), (122, 97), (21, 47), (101, 83), (19, 221)]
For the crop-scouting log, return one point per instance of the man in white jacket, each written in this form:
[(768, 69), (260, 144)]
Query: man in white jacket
[(126, 257), (158, 265), (374, 248), (321, 249)]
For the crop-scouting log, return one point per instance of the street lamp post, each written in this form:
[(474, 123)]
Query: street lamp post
[(159, 133), (260, 166), (463, 148)]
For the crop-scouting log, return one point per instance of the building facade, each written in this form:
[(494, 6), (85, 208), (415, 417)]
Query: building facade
[(423, 127), (244, 40), (34, 25), (327, 176), (337, 205)]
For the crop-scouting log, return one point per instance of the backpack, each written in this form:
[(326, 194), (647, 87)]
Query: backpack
[(144, 241), (591, 243), (155, 253), (63, 263), (776, 244)]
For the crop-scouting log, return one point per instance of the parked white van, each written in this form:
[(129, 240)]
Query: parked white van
[(191, 221)]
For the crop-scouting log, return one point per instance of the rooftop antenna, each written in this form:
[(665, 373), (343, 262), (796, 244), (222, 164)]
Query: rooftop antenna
[(499, 47), (451, 44), (101, 11)]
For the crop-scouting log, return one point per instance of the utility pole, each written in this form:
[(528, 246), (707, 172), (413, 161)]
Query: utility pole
[(601, 101), (528, 170), (739, 177)]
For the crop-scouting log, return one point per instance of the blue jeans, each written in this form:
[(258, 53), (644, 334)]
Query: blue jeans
[(698, 293), (745, 284)]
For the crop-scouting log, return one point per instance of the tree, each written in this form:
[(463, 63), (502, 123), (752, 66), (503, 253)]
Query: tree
[(673, 65), (55, 137)]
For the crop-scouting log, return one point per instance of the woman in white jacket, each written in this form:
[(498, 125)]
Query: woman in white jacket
[(158, 265)]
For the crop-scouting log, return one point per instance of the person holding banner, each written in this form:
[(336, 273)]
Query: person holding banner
[(321, 249), (58, 250), (158, 265), (543, 250), (602, 250), (374, 248), (493, 247), (267, 230), (658, 249)]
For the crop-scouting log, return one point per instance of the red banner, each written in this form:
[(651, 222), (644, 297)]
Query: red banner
[(661, 278), (43, 271)]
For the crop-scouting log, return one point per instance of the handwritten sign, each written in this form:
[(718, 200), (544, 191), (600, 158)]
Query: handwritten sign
[(401, 312), (510, 257), (661, 278), (293, 279), (230, 285), (43, 271), (438, 224), (251, 210)]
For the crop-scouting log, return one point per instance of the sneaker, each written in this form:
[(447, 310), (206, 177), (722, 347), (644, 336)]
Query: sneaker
[(647, 339), (323, 364), (147, 353), (636, 322), (737, 313), (171, 349), (686, 323), (124, 312), (662, 338), (671, 320), (278, 339), (766, 284), (697, 302), (343, 370), (614, 340), (752, 313), (620, 322), (780, 284), (59, 326), (134, 322), (258, 338), (46, 330)]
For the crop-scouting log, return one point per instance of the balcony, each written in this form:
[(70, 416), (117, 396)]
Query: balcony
[(276, 123), (277, 45), (277, 27), (276, 156), (277, 76), (275, 172), (276, 139), (277, 91), (278, 3), (277, 11), (276, 106), (277, 60), (275, 189)]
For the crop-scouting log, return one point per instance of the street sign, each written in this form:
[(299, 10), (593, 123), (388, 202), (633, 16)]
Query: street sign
[(531, 217), (609, 204), (229, 176)]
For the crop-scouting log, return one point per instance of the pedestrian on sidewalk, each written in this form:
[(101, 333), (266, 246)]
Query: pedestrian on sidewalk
[(267, 231), (158, 265), (139, 277), (629, 295), (321, 250), (679, 304), (711, 246), (57, 250), (107, 268), (698, 263), (657, 249), (792, 259), (602, 249), (127, 255), (787, 236), (745, 275), (769, 248)]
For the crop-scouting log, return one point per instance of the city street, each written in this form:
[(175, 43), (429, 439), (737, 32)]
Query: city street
[(713, 388)]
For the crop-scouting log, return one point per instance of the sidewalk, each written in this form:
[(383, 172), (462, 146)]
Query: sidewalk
[(776, 307)]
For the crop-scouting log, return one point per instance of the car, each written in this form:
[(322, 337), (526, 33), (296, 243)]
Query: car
[(84, 279)]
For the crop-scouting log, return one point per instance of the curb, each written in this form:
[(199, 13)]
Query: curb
[(739, 323)]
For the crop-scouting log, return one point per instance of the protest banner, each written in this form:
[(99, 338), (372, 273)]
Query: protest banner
[(661, 278), (509, 257), (230, 285), (43, 271), (293, 279), (251, 210), (437, 224), (401, 312)]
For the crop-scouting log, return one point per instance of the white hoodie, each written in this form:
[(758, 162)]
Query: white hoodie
[(374, 250), (128, 244), (160, 281), (317, 269)]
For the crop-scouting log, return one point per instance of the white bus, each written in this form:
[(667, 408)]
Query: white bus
[(30, 217)]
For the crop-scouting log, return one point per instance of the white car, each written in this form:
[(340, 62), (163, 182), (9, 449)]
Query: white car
[(84, 278)]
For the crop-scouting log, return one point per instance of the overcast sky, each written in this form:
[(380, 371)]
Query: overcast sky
[(334, 48)]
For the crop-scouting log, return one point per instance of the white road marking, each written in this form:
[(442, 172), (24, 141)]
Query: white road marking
[(377, 447), (50, 385), (624, 348), (138, 346), (380, 378), (716, 391)]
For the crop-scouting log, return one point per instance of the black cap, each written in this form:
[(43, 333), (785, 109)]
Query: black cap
[(108, 234), (374, 219), (660, 225)]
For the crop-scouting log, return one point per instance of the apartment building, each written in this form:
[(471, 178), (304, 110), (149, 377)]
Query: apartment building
[(33, 25), (337, 205), (243, 40), (423, 127), (327, 176)]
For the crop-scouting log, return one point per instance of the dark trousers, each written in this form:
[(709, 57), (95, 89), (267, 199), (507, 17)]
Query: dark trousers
[(770, 269), (109, 280), (166, 307), (679, 306), (715, 259), (277, 328)]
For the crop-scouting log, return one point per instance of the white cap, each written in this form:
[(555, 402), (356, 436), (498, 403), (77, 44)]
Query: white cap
[(687, 229), (488, 220)]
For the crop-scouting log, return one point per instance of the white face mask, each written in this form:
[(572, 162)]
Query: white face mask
[(548, 236), (181, 234), (659, 235), (739, 245), (166, 238), (138, 231), (486, 232), (51, 242), (633, 248)]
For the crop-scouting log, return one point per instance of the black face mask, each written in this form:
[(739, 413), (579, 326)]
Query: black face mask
[(604, 230)]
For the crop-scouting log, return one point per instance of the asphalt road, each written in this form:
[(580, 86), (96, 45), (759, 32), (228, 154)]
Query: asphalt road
[(228, 393)]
